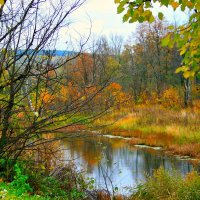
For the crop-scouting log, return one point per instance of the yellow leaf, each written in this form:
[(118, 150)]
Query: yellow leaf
[(42, 167), (198, 6), (140, 10), (190, 4), (182, 69), (193, 52), (117, 1), (175, 5), (188, 74), (83, 98), (1, 2), (184, 48), (170, 27)]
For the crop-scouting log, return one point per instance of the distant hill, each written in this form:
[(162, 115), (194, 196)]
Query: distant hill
[(49, 52)]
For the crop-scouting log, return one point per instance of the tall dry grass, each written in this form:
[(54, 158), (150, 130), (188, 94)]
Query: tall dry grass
[(169, 186), (176, 130)]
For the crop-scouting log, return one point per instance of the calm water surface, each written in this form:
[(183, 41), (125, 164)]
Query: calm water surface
[(113, 160)]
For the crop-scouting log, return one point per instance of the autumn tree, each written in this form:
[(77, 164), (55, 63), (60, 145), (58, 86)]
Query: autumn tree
[(31, 77), (146, 65), (185, 37), (94, 70)]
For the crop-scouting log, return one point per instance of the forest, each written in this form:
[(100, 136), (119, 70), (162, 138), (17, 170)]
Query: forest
[(107, 102)]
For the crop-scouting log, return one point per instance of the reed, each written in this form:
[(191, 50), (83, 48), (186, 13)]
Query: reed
[(175, 130)]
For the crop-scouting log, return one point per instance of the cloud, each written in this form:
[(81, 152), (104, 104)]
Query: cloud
[(102, 17)]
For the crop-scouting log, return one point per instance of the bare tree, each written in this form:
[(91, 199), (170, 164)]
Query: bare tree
[(147, 66), (31, 76), (116, 45)]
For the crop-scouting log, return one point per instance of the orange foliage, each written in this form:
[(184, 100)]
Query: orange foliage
[(68, 93), (84, 59), (114, 87), (64, 91), (51, 73), (190, 149), (91, 90), (196, 90), (73, 91), (20, 115), (191, 176), (196, 104), (82, 70), (46, 97), (114, 92), (154, 98), (170, 98), (104, 195), (151, 98)]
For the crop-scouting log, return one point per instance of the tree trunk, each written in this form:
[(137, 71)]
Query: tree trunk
[(187, 97)]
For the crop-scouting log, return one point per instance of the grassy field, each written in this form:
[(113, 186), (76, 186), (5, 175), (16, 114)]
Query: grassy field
[(178, 131)]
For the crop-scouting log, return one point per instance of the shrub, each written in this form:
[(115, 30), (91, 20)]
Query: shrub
[(164, 185), (170, 98), (20, 182), (65, 183)]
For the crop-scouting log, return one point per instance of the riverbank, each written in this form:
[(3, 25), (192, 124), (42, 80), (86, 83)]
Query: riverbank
[(176, 131), (67, 182)]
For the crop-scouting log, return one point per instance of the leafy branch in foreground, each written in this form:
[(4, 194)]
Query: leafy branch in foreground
[(186, 36)]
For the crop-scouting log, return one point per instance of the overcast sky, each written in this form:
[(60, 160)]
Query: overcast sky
[(105, 20)]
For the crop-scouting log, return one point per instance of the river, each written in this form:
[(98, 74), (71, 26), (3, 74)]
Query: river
[(112, 162)]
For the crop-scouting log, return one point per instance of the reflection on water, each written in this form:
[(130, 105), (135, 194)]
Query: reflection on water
[(125, 166)]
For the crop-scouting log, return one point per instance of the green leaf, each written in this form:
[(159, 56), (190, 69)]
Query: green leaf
[(140, 19), (131, 12), (165, 2), (125, 17), (148, 4), (147, 14), (198, 75), (160, 16), (170, 27), (183, 6), (151, 19), (132, 20), (120, 9), (122, 3), (165, 41)]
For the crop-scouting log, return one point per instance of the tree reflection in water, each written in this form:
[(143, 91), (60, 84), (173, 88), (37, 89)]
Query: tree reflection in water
[(125, 165)]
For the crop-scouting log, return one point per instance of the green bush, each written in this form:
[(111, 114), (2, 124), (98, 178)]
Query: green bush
[(29, 183), (18, 188), (50, 187), (20, 182), (164, 185)]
